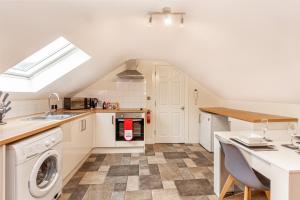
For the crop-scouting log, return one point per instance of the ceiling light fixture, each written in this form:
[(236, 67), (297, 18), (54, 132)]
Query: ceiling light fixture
[(168, 16)]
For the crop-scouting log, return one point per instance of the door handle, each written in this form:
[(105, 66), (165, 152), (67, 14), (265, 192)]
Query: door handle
[(112, 120), (182, 108)]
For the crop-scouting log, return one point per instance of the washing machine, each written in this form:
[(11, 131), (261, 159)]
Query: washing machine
[(34, 167)]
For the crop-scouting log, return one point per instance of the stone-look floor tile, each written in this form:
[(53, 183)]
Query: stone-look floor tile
[(125, 161), (132, 183), (91, 178), (208, 155), (255, 195), (135, 160), (196, 148), (116, 179), (96, 192), (144, 162), (126, 154), (212, 197), (175, 155), (189, 162), (203, 158), (150, 182), (192, 155), (181, 165), (174, 161), (194, 187), (185, 173), (123, 170), (73, 183), (91, 159), (202, 197), (159, 154), (135, 155), (144, 172), (104, 168), (120, 187), (162, 166), (198, 172), (138, 195), (65, 196), (156, 160), (153, 169), (79, 193), (169, 172), (112, 159), (90, 166), (207, 174), (169, 194), (168, 185), (118, 195)]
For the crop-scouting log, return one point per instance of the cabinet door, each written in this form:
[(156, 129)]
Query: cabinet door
[(205, 130), (105, 133), (86, 134), (70, 158)]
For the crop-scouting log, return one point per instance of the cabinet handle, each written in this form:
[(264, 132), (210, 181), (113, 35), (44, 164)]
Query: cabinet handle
[(83, 125), (112, 119)]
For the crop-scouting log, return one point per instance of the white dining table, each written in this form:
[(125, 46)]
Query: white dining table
[(282, 167)]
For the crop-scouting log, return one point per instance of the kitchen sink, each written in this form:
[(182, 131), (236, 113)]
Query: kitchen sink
[(55, 116)]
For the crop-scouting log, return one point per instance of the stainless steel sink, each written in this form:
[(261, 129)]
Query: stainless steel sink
[(56, 116)]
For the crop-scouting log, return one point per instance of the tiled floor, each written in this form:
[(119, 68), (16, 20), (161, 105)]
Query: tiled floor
[(164, 172)]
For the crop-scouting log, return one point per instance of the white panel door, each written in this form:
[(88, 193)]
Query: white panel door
[(105, 133), (169, 105)]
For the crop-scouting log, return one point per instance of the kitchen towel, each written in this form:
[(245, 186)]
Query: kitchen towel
[(128, 132)]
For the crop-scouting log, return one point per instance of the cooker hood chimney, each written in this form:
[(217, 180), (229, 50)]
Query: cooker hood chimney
[(131, 71)]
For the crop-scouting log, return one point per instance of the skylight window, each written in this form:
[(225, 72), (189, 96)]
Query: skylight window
[(43, 67), (42, 58)]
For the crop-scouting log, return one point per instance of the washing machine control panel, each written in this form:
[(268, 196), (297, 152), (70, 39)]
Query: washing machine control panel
[(37, 147)]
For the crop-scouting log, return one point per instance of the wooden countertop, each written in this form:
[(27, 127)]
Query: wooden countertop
[(247, 115), (20, 128)]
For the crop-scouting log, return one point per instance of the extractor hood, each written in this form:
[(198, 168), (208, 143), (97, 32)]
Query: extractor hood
[(131, 71)]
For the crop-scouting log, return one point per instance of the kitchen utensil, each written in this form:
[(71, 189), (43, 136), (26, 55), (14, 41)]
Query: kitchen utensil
[(4, 109), (7, 110), (5, 97), (8, 103)]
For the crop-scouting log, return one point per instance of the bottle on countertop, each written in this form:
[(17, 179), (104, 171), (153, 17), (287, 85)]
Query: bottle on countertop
[(104, 106)]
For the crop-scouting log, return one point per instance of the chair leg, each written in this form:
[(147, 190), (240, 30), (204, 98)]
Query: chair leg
[(247, 193), (229, 182), (268, 194)]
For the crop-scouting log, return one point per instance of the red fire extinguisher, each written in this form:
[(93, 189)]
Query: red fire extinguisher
[(148, 116)]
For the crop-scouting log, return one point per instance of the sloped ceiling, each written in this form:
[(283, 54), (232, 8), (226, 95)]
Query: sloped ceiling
[(247, 50)]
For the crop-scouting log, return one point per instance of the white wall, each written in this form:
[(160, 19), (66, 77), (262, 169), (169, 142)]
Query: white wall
[(108, 88), (27, 107), (205, 99), (283, 109)]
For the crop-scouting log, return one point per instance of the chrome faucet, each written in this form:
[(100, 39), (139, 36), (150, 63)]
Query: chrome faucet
[(49, 101)]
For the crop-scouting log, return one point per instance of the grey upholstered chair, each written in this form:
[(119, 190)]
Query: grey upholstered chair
[(240, 171)]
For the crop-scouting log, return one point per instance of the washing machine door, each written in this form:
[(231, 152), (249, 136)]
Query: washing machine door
[(45, 174)]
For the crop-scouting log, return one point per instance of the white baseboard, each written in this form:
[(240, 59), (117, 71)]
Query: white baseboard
[(118, 150)]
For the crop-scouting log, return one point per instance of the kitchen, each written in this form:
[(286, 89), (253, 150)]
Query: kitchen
[(140, 100)]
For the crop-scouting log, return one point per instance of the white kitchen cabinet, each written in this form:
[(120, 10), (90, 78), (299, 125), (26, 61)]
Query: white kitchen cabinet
[(77, 142), (2, 172), (210, 123), (105, 130)]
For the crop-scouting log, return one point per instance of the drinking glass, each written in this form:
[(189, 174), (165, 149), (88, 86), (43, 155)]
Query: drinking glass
[(265, 128), (293, 132)]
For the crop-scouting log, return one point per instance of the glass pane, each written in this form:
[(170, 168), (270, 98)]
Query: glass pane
[(47, 172), (42, 54), (41, 59)]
